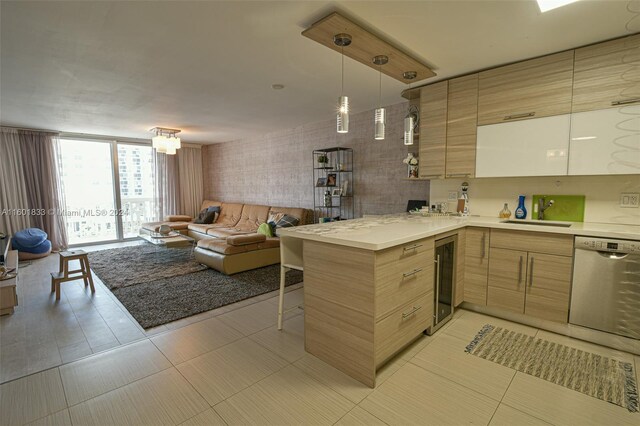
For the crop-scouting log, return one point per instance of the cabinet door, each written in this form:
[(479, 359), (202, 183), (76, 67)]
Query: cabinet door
[(462, 123), (507, 279), (433, 130), (536, 147), (548, 286), (476, 265), (606, 74), (538, 87), (605, 142), (458, 296)]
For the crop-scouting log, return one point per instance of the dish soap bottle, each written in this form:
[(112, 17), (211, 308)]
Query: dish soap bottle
[(505, 213), (521, 211)]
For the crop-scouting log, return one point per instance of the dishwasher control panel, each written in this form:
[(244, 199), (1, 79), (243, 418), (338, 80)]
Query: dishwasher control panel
[(608, 245)]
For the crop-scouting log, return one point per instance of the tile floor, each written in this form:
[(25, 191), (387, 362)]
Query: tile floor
[(231, 366)]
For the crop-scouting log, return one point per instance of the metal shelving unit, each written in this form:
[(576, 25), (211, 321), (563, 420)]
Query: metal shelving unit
[(340, 199)]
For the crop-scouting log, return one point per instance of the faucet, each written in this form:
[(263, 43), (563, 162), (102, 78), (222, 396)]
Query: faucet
[(542, 207)]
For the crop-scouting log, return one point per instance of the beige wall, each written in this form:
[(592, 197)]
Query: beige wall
[(276, 169), (488, 195)]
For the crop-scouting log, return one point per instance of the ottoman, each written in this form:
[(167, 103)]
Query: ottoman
[(31, 243)]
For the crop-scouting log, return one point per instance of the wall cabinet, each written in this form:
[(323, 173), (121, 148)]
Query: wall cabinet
[(535, 88), (476, 265), (605, 142), (605, 74), (462, 122), (433, 130), (530, 273), (537, 147)]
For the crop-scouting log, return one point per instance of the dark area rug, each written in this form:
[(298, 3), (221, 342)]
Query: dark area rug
[(595, 375), (154, 297)]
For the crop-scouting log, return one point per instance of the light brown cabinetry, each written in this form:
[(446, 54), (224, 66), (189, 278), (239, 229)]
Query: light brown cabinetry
[(535, 88), (476, 265), (8, 293), (605, 74), (530, 273), (433, 130), (363, 306), (461, 248), (462, 123)]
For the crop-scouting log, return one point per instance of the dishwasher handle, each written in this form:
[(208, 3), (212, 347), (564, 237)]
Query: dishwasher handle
[(612, 255)]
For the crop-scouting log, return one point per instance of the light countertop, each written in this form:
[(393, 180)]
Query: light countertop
[(381, 232)]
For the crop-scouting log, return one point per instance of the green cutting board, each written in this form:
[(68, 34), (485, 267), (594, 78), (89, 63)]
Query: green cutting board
[(568, 208)]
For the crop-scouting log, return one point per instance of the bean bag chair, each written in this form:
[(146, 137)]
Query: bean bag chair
[(31, 243)]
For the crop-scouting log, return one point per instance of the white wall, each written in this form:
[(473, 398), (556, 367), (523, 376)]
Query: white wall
[(488, 195)]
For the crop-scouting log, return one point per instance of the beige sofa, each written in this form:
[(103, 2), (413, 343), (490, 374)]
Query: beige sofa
[(231, 244)]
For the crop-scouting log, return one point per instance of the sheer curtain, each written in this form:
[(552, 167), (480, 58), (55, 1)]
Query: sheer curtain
[(167, 188), (41, 173), (191, 181), (13, 192)]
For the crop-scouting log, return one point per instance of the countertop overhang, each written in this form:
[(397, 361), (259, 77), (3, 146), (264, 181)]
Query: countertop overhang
[(381, 232)]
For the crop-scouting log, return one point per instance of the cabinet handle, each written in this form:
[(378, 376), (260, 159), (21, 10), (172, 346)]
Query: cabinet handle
[(415, 271), (430, 176), (516, 116), (625, 102), (531, 274), (458, 174), (520, 271), (413, 247), (482, 242), (437, 287), (411, 312)]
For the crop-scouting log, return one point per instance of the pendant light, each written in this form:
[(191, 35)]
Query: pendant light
[(380, 116), (165, 141), (342, 119), (410, 124)]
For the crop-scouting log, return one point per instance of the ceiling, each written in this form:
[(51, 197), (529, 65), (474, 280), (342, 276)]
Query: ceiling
[(121, 68)]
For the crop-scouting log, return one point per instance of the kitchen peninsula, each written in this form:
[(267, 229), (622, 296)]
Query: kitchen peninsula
[(369, 283)]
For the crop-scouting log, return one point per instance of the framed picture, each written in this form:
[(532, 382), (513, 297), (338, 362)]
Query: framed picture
[(331, 179), (322, 181), (336, 192)]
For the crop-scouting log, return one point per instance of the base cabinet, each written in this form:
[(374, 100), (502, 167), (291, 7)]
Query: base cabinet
[(526, 280), (476, 265)]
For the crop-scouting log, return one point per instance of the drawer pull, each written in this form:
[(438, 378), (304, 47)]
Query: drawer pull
[(430, 176), (520, 271), (415, 271), (531, 273), (411, 312), (458, 174), (413, 247), (625, 102), (517, 116)]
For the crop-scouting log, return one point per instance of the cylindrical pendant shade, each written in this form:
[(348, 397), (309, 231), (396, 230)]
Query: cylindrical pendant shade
[(380, 121), (408, 130), (343, 114)]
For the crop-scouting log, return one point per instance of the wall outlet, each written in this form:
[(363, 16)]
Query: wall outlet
[(630, 199), (453, 195)]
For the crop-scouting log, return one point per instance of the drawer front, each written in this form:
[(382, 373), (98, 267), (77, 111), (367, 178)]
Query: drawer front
[(403, 252), (505, 299), (538, 242), (402, 326), (401, 282)]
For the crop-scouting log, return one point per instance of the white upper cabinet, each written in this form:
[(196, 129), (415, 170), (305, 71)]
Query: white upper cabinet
[(537, 147), (605, 142)]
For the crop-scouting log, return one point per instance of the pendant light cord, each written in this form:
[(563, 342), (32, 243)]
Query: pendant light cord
[(342, 78), (380, 87)]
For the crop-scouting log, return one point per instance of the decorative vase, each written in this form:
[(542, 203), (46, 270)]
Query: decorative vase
[(327, 199), (521, 211), (505, 213), (413, 172)]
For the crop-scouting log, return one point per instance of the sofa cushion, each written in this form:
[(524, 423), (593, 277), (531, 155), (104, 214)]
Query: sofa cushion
[(221, 246), (209, 203), (252, 216), (178, 218), (243, 240), (229, 214), (200, 227), (225, 232)]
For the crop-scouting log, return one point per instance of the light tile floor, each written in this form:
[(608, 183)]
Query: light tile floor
[(224, 367)]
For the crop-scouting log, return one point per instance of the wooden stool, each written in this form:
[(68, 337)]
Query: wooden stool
[(64, 274)]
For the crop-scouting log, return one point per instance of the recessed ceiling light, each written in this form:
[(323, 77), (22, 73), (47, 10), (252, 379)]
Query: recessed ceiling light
[(277, 86), (547, 5)]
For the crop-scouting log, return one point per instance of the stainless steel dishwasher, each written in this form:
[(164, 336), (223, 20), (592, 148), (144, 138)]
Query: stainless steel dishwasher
[(606, 285)]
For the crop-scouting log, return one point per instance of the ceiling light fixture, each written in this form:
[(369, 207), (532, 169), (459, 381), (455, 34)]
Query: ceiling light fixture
[(380, 117), (410, 124), (342, 119), (165, 141), (547, 5)]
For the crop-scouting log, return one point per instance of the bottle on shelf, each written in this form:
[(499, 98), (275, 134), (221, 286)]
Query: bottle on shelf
[(327, 198), (505, 213), (521, 211)]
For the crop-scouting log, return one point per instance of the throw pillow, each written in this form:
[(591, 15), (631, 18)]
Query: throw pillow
[(206, 217), (285, 221), (274, 217), (265, 229)]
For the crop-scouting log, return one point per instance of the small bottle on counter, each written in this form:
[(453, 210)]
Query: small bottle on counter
[(521, 211), (505, 213)]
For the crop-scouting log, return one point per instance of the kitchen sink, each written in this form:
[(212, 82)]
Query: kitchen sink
[(537, 223)]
